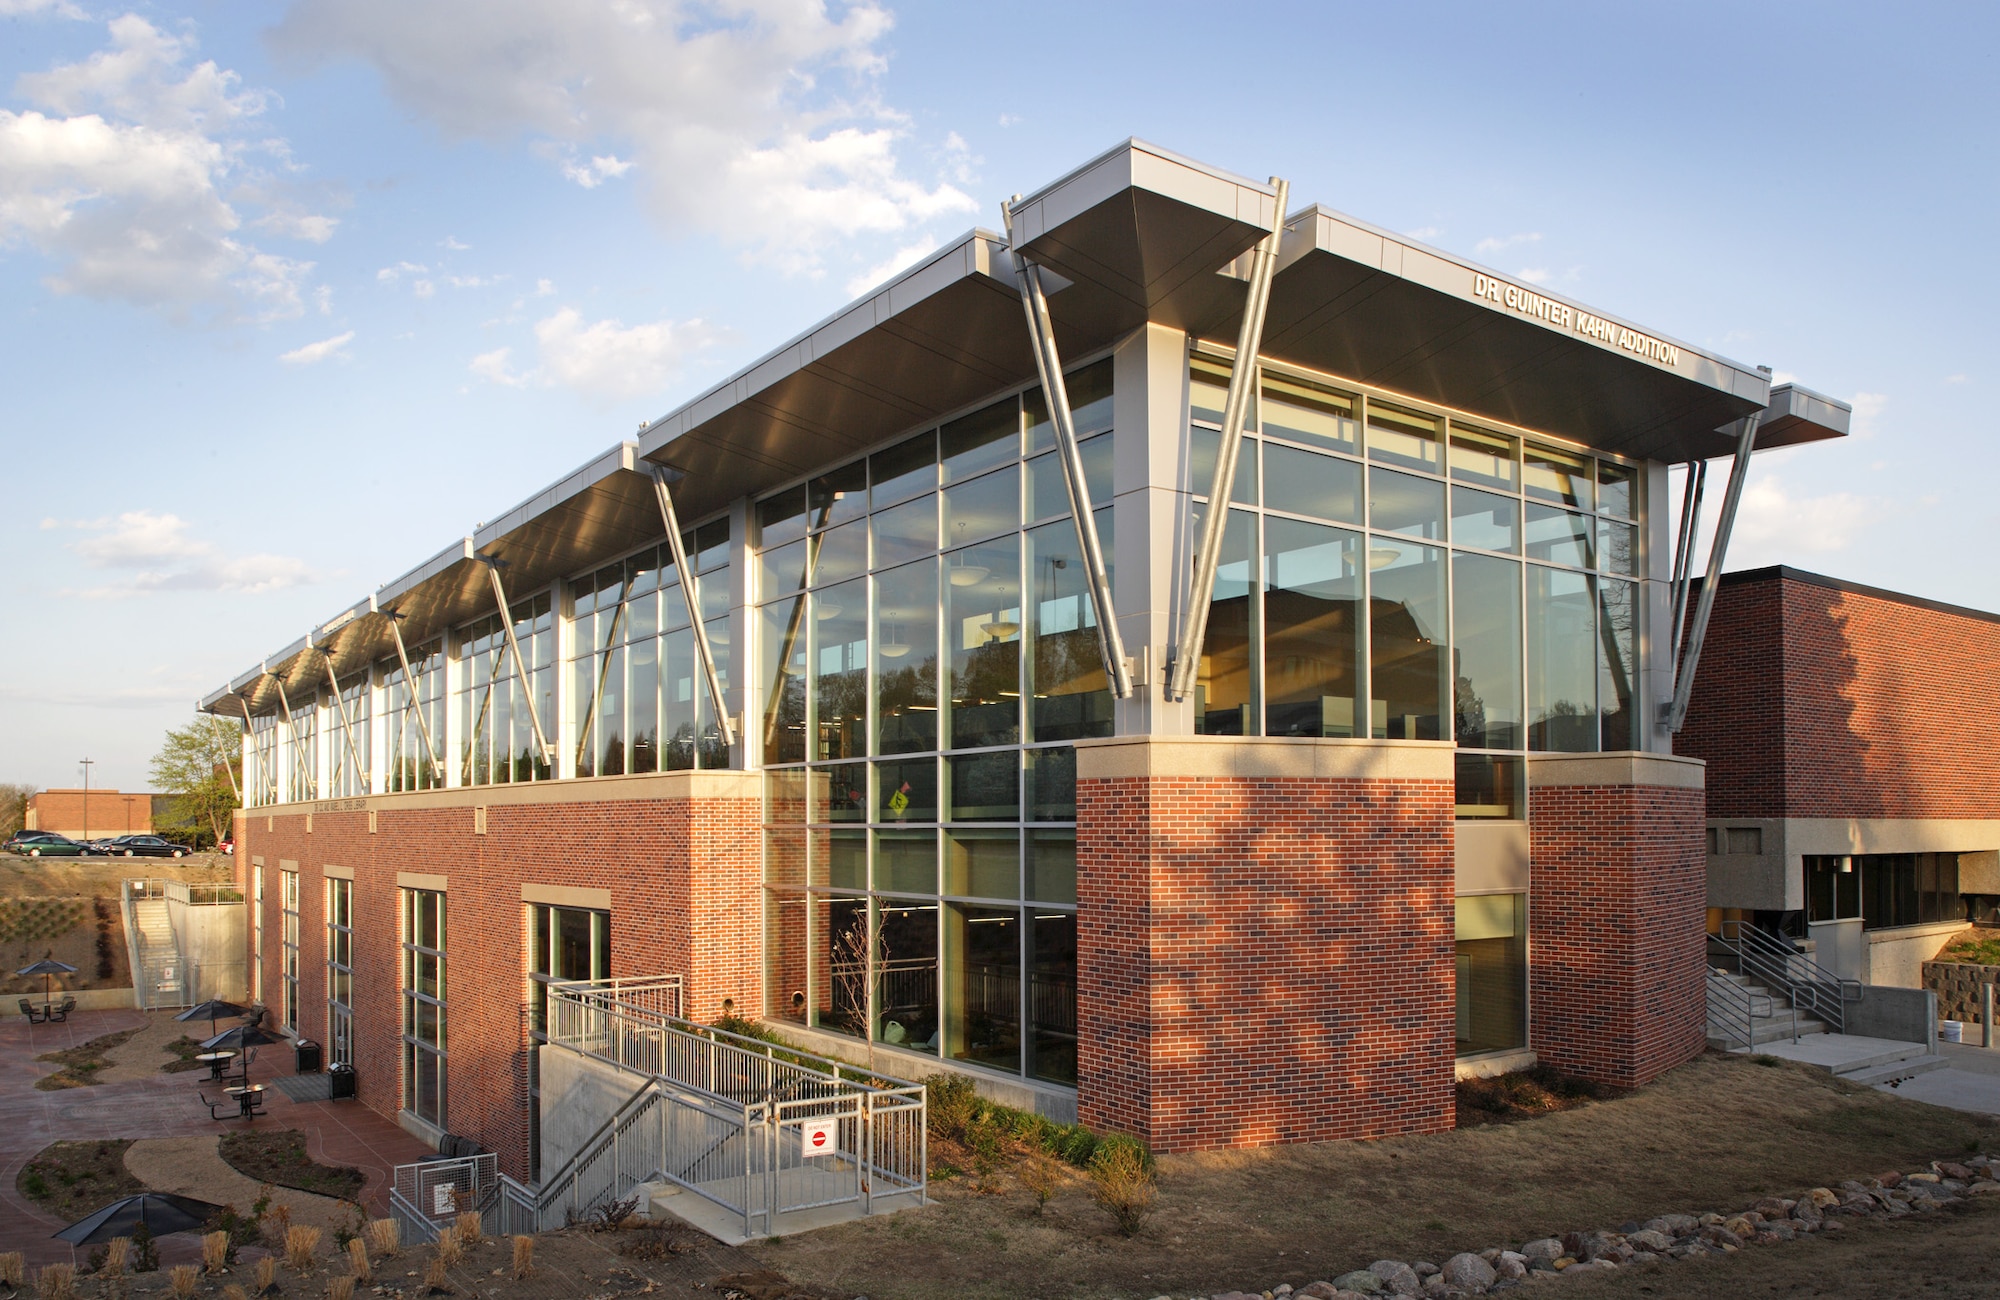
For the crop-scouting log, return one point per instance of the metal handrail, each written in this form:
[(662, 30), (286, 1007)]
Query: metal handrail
[(1780, 966), (1741, 1013)]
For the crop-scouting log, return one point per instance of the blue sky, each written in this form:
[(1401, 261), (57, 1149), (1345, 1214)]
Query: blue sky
[(293, 295)]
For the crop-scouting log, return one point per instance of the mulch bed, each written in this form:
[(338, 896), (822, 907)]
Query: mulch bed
[(1525, 1094), (279, 1156), (72, 1179), (81, 1063), (184, 1050)]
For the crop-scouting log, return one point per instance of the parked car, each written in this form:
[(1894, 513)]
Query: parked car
[(144, 846), (44, 844), (227, 848)]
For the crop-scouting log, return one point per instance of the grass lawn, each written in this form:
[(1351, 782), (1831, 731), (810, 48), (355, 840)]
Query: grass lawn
[(81, 1063), (72, 1179), (1980, 947), (1713, 1135), (279, 1156)]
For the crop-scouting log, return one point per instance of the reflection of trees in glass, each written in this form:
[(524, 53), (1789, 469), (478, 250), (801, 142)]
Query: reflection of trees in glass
[(1470, 710), (1617, 644), (847, 966), (784, 674)]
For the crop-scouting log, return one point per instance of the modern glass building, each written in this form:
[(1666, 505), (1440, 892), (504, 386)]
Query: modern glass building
[(904, 692)]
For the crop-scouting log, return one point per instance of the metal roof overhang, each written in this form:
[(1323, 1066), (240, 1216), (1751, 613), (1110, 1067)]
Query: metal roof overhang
[(1136, 235)]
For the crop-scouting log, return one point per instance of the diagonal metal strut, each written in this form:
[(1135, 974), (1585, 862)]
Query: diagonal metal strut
[(1048, 364), (691, 591), (548, 754), (312, 767), (411, 690), (1674, 712), (346, 726), (1242, 383)]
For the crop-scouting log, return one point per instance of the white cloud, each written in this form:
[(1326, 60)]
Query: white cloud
[(1424, 232), (392, 274), (1533, 274), (451, 242), (758, 121), (543, 288), (118, 174), (606, 359), (422, 288), (32, 8), (1500, 243), (1010, 119), (1775, 523), (311, 227), (1868, 408), (314, 353), (1959, 378), (908, 255), (151, 552)]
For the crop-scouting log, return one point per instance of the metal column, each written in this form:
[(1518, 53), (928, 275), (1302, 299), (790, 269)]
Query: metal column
[(312, 767), (1739, 470), (548, 754), (413, 704), (346, 726), (1048, 364), (662, 475), (1691, 493), (1242, 383)]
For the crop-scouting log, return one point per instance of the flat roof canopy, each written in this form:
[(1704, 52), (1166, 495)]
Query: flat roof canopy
[(1136, 235)]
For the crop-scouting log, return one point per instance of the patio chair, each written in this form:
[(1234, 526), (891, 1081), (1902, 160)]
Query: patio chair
[(215, 1108), (62, 1009), (34, 1013)]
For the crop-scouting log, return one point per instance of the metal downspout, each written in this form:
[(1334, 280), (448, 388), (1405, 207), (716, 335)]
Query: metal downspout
[(1242, 382), (1048, 364), (1739, 470)]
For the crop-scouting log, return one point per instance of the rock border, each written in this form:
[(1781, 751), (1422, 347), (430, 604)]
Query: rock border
[(1667, 1237)]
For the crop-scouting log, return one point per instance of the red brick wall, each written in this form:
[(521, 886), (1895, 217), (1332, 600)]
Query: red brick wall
[(1617, 887), (108, 812), (1850, 705), (684, 881), (1264, 961)]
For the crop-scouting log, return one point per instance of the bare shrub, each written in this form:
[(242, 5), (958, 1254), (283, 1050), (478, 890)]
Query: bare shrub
[(471, 1229), (182, 1279), (267, 1273), (340, 1288), (357, 1259), (1122, 1183), (524, 1258), (435, 1277), (385, 1238), (1041, 1174), (301, 1244), (449, 1250), (215, 1251), (14, 1268), (56, 1282), (117, 1254), (233, 1292), (277, 1224)]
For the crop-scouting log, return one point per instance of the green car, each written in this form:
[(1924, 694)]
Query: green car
[(44, 844)]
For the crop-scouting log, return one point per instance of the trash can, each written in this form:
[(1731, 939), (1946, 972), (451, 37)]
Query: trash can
[(308, 1056), (341, 1081)]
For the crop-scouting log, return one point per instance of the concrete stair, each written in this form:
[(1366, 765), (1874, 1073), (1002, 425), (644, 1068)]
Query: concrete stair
[(1771, 1019), (1891, 1066)]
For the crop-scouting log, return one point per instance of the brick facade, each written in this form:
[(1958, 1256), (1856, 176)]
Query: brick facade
[(682, 865), (1618, 884), (97, 815), (1818, 698), (1264, 959)]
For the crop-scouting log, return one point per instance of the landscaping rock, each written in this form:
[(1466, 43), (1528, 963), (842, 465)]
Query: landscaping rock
[(1547, 1249), (1469, 1272), (1650, 1239), (1397, 1277), (1362, 1280), (1317, 1290), (1822, 1197)]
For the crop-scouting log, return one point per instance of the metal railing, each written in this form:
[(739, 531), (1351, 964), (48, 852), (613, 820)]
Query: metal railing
[(430, 1195), (1779, 966), (1735, 1010), (722, 1116), (172, 955)]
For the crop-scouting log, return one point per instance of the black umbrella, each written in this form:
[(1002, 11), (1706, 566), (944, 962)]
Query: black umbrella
[(213, 1010), (160, 1212), (242, 1036), (48, 968)]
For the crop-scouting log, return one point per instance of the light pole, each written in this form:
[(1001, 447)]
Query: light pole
[(86, 796)]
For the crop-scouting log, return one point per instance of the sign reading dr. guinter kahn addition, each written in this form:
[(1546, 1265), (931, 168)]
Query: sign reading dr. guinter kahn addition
[(1563, 316)]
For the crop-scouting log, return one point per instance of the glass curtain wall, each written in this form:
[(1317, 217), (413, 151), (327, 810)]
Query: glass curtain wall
[(638, 701), (424, 1004), (409, 762), (1390, 572), (260, 779), (928, 654), (348, 775), (339, 971), (499, 744), (301, 752)]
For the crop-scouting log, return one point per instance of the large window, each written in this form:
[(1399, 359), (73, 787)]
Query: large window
[(929, 653), (1884, 889), (637, 699), (348, 774), (1389, 572), (424, 1005), (339, 971), (411, 707), (257, 932), (298, 739), (288, 903), (499, 731), (1492, 973), (564, 943)]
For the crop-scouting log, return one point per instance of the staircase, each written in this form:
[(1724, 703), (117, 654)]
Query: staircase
[(1891, 1065), (1744, 1013), (158, 973)]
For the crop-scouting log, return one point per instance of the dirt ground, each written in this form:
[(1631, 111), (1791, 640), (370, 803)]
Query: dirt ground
[(1715, 1134), (67, 908)]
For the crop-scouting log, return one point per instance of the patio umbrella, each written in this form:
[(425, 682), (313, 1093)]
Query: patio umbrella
[(160, 1212), (48, 968), (239, 1038), (212, 1010)]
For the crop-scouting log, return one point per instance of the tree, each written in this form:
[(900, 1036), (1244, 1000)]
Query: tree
[(201, 766), (13, 807)]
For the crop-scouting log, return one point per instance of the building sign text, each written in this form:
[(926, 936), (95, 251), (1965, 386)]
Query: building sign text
[(1565, 317)]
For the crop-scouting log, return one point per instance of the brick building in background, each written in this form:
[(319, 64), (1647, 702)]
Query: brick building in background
[(1409, 811), (93, 814), (1853, 774)]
